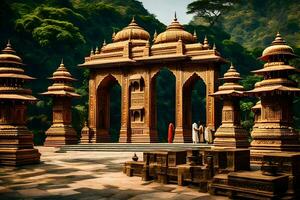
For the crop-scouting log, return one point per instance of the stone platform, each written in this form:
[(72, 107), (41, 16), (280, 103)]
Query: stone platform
[(86, 176), (125, 147)]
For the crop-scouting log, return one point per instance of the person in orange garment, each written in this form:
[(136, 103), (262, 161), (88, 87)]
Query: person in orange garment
[(170, 133)]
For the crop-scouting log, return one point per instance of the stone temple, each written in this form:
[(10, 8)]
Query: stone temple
[(132, 62)]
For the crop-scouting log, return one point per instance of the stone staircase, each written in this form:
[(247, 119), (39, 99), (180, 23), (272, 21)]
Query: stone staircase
[(124, 147)]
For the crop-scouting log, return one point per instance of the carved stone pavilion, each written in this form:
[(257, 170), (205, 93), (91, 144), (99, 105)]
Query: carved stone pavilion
[(16, 141), (273, 129), (61, 131), (132, 62), (230, 133)]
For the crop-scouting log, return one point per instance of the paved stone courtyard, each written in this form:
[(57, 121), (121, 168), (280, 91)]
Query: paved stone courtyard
[(85, 175)]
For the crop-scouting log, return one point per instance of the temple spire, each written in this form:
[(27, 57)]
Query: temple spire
[(133, 19), (8, 43), (195, 35), (215, 48), (92, 52), (97, 50), (175, 17), (205, 43), (113, 36)]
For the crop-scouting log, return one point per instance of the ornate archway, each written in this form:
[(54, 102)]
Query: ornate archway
[(193, 104), (163, 91), (104, 119)]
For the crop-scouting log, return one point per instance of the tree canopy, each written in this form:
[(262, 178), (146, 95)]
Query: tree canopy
[(210, 10)]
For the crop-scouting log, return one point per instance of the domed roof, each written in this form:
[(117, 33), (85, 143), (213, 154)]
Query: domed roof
[(231, 73), (61, 85), (174, 32), (132, 31), (231, 85), (62, 73), (278, 47), (8, 55)]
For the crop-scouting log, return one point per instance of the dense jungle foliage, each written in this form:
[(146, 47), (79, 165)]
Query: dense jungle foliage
[(45, 31)]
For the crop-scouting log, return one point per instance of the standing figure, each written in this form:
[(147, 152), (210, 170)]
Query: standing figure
[(195, 132), (206, 134), (170, 133), (201, 133)]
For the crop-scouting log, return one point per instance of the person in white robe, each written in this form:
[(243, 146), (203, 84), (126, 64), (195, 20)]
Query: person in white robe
[(206, 134), (195, 135)]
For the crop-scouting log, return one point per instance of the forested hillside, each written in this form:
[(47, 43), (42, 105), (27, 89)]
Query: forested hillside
[(45, 31)]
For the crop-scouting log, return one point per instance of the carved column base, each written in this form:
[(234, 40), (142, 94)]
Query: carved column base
[(182, 135), (144, 136), (59, 135), (102, 136), (17, 157), (16, 146), (125, 136), (234, 137)]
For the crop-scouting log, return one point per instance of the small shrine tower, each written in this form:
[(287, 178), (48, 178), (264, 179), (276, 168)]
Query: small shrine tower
[(16, 141), (61, 132), (273, 131), (231, 133)]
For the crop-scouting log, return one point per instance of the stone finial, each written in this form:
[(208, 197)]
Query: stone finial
[(278, 39), (205, 43), (133, 19), (92, 52), (97, 50), (175, 17), (8, 49), (154, 35), (113, 36), (195, 35), (214, 47), (104, 43)]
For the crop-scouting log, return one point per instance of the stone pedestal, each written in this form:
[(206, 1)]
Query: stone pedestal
[(16, 141), (61, 131)]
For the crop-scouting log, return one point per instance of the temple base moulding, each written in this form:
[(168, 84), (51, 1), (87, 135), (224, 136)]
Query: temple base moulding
[(234, 137), (59, 135), (182, 135), (17, 157), (136, 136)]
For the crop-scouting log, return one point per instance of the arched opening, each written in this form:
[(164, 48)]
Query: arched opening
[(109, 110), (163, 88), (194, 102)]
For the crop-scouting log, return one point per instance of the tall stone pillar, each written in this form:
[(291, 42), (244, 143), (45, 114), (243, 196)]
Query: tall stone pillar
[(125, 132), (211, 102), (181, 135), (16, 141), (230, 133), (61, 131)]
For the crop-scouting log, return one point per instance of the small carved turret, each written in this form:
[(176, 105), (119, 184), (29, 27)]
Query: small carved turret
[(276, 91), (61, 131), (16, 146), (205, 43), (230, 133)]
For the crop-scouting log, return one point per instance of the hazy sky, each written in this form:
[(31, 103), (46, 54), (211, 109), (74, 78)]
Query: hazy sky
[(165, 9)]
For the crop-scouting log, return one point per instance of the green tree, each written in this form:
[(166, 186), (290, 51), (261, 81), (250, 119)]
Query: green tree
[(210, 10)]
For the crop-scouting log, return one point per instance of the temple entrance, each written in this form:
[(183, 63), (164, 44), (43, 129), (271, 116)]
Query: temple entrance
[(194, 102), (109, 110), (163, 102)]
